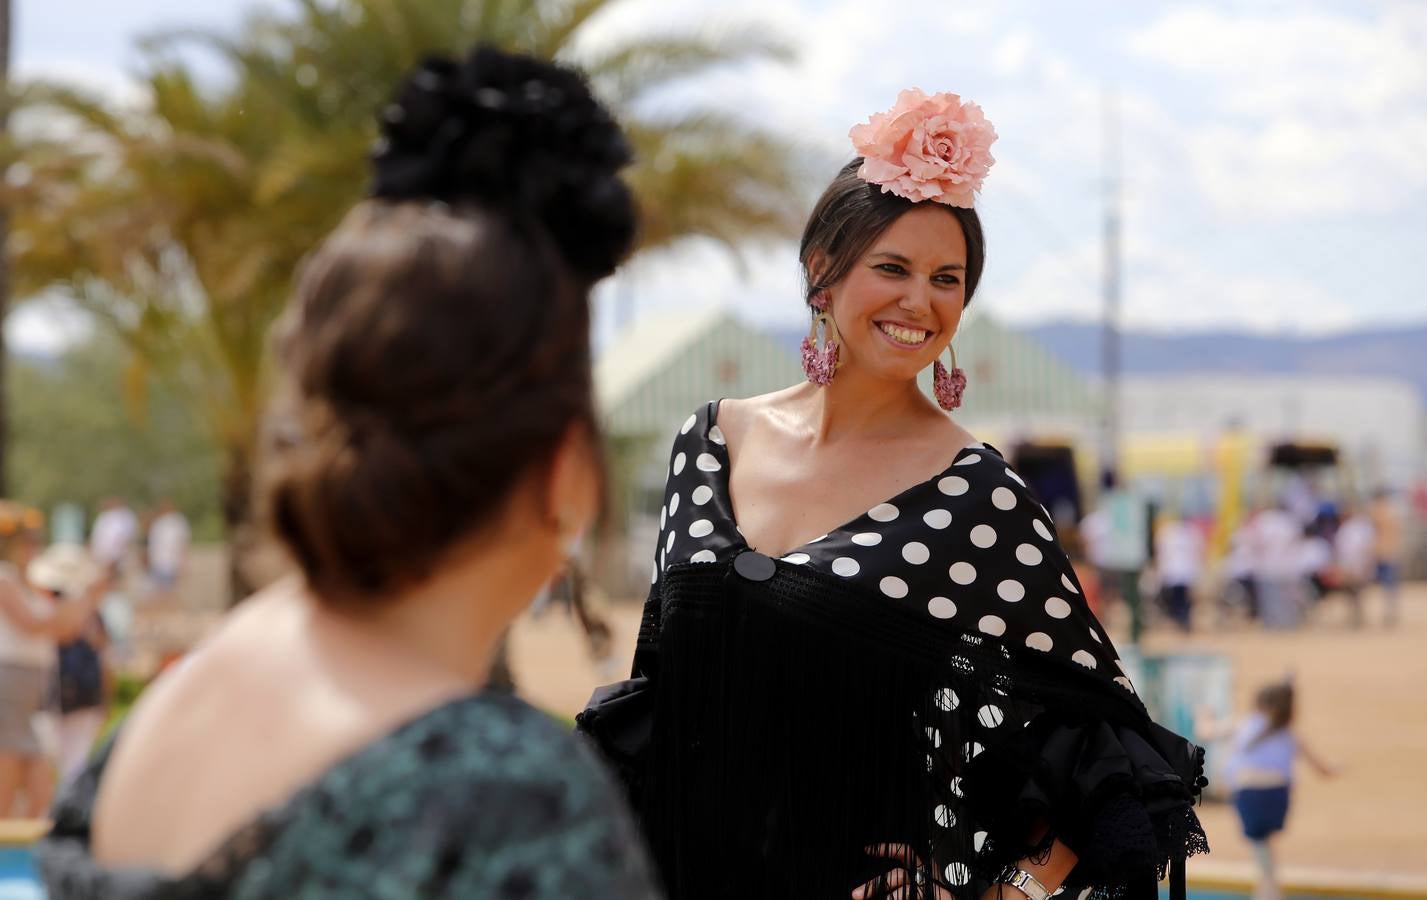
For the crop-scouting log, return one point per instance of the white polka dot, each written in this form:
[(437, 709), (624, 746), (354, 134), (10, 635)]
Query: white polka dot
[(663, 561), (821, 537), (688, 423), (845, 566), (1069, 585), (1014, 477), (992, 625), (716, 435), (990, 716), (701, 528), (673, 504), (654, 576), (1003, 498), (946, 700), (945, 817), (937, 518), (957, 874), (971, 460), (1124, 682), (941, 607), (978, 840), (962, 573), (1084, 658), (1057, 608), (1011, 591), (934, 736), (956, 786), (867, 539), (1096, 635), (704, 556), (953, 485), (916, 553), (1040, 641), (663, 516), (894, 587), (883, 512), (972, 750), (796, 559), (983, 536), (1029, 555), (1042, 530), (679, 463), (701, 495), (707, 463), (669, 544)]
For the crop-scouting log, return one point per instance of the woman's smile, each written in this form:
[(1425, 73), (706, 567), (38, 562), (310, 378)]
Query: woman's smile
[(904, 336)]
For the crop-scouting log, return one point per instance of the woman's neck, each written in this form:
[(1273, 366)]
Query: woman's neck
[(867, 406), (453, 620)]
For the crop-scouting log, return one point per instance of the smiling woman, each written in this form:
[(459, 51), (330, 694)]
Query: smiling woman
[(874, 671)]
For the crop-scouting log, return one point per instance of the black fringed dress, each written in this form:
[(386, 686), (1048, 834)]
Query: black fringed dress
[(927, 674)]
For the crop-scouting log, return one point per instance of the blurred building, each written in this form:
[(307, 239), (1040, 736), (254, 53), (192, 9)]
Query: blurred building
[(1378, 425)]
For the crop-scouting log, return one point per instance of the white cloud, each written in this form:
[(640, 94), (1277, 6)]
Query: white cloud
[(1311, 113)]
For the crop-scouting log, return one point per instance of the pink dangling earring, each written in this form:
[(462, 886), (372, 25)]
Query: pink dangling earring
[(821, 365), (949, 387)]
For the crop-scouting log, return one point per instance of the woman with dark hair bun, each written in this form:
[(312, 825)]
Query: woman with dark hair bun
[(431, 461), (873, 671)]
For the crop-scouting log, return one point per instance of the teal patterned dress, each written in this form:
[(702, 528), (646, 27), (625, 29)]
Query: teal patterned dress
[(482, 797)]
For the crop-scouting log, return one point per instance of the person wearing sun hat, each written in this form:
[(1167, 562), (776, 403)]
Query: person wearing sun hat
[(873, 671), (68, 571), (32, 626)]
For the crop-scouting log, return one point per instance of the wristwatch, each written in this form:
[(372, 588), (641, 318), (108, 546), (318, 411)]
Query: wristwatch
[(1024, 882)]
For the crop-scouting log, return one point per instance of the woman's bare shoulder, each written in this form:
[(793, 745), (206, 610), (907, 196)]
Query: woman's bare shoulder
[(738, 415)]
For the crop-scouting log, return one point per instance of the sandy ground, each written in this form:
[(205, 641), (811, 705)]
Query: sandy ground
[(1363, 706)]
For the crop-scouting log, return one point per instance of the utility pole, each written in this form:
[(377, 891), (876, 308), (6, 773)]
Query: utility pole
[(1110, 288), (6, 13)]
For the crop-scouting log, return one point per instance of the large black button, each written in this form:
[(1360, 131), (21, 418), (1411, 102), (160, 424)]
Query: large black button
[(754, 566)]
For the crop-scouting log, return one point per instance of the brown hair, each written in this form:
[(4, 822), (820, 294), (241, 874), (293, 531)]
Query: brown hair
[(436, 349), (851, 214), (1275, 701), (433, 355)]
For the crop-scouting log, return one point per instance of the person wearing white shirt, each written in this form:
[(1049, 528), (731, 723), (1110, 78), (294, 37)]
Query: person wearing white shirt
[(112, 537), (1276, 539), (1179, 560), (169, 537), (1354, 547)]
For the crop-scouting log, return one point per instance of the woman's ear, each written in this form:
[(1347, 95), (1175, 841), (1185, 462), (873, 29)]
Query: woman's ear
[(572, 491), (816, 267)]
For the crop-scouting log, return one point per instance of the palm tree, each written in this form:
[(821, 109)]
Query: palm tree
[(179, 226)]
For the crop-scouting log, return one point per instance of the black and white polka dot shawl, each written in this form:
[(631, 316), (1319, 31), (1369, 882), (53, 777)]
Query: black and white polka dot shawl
[(926, 675)]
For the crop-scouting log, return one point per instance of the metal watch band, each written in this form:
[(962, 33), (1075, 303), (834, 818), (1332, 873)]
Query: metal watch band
[(1024, 882)]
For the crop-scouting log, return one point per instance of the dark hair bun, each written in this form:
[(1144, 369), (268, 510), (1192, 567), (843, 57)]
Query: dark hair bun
[(517, 133)]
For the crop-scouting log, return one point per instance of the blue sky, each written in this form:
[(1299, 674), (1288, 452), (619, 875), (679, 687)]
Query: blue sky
[(1274, 153)]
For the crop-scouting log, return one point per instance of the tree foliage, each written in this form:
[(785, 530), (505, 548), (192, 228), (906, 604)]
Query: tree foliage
[(179, 225)]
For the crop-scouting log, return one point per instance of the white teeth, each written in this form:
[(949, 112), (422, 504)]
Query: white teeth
[(903, 335)]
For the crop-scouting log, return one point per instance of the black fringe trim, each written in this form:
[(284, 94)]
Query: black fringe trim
[(798, 722)]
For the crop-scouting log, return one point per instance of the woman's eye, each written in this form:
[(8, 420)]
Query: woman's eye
[(892, 268), (948, 280)]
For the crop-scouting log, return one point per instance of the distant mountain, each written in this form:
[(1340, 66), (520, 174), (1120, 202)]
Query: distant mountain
[(1399, 352)]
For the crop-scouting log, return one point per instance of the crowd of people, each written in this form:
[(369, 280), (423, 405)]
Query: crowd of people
[(1285, 562), (65, 612)]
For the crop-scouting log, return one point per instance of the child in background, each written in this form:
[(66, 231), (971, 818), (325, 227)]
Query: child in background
[(1260, 775)]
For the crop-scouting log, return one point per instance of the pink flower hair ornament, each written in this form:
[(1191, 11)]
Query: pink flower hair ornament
[(927, 148)]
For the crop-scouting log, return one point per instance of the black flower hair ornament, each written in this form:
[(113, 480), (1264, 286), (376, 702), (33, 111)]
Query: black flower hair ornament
[(515, 133)]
